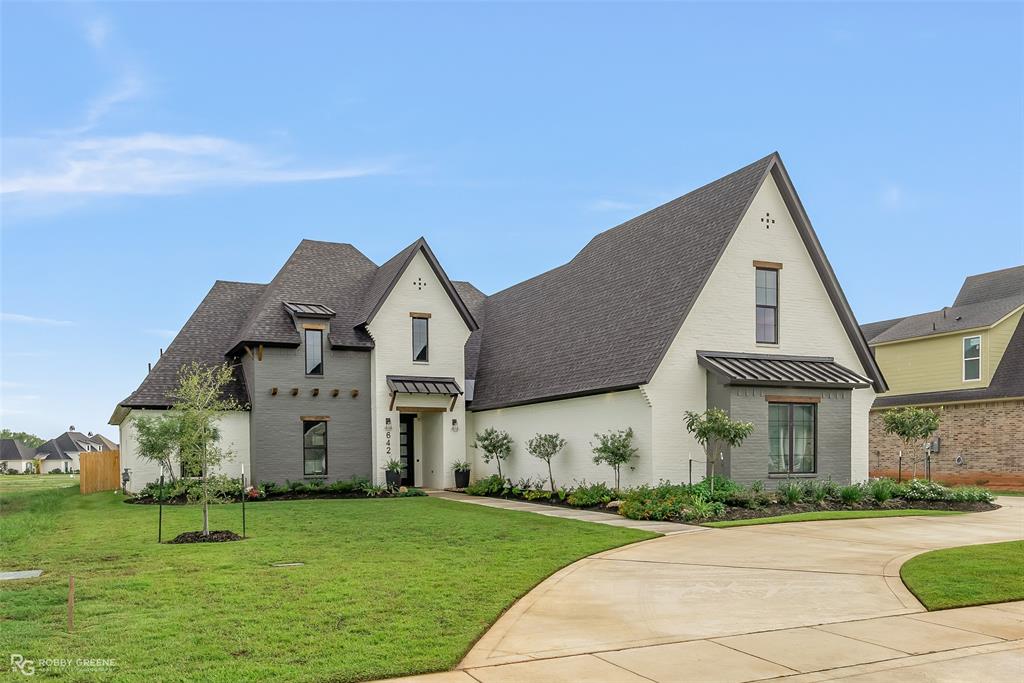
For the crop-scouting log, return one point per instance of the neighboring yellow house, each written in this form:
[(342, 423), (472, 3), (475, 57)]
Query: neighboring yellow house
[(967, 362)]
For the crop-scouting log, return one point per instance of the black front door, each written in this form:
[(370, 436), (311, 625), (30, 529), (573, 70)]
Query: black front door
[(406, 449)]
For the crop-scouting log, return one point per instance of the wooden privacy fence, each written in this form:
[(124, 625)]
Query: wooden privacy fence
[(100, 471)]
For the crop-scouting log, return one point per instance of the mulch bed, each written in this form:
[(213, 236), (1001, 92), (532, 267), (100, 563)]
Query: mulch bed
[(219, 536), (776, 510)]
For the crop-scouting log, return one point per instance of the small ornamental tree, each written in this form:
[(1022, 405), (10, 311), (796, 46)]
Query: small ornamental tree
[(496, 445), (199, 403), (912, 425), (157, 438), (614, 448), (714, 430), (545, 447)]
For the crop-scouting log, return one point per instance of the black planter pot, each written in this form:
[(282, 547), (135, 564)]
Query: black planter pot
[(393, 478), (461, 479)]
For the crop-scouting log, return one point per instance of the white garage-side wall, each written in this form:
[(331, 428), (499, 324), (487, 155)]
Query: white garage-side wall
[(577, 420), (391, 329), (234, 431), (722, 319)]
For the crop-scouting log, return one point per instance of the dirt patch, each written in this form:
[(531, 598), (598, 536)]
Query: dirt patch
[(219, 536)]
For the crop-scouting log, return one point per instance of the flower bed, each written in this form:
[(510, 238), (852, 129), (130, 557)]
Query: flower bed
[(227, 490), (720, 499)]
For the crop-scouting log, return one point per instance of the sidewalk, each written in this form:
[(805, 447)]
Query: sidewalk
[(663, 528)]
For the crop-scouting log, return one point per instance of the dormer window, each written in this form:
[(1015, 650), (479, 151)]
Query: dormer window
[(314, 343), (420, 337), (972, 358), (766, 301)]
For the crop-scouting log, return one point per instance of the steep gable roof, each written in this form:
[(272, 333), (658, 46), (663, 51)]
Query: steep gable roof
[(604, 320), (328, 273), (997, 284), (12, 449), (387, 276), (872, 330), (206, 337)]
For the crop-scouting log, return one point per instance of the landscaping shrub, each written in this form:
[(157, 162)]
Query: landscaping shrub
[(970, 494), (814, 491), (410, 493), (493, 485), (537, 495), (661, 502), (790, 492), (223, 489), (374, 490), (751, 498), (702, 508), (921, 489), (588, 495), (882, 489), (854, 493), (717, 488)]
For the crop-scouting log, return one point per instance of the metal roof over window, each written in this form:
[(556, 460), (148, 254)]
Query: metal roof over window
[(782, 371), (446, 386), (309, 310)]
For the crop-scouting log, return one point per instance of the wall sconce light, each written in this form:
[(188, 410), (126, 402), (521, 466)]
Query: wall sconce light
[(455, 424), (387, 423)]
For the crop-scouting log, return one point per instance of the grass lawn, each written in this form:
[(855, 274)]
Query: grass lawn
[(832, 514), (965, 576), (13, 483), (389, 587)]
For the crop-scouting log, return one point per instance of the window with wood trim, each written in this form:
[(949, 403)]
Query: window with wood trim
[(420, 339), (766, 301), (792, 438), (972, 358), (314, 448), (314, 343)]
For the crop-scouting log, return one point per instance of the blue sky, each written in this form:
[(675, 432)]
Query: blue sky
[(149, 149)]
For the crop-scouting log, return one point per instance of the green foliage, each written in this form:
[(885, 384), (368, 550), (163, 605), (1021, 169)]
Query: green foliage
[(460, 466), (493, 485), (714, 430), (614, 448), (790, 492), (970, 494), (588, 495), (910, 423), (716, 487), (222, 489), (854, 493), (702, 508), (665, 501), (536, 494), (411, 493), (921, 489), (496, 445), (882, 489), (158, 438), (394, 466), (752, 498), (968, 575), (371, 490), (814, 491), (545, 447), (30, 440)]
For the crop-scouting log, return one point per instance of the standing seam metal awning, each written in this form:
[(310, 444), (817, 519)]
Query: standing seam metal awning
[(778, 370), (444, 386)]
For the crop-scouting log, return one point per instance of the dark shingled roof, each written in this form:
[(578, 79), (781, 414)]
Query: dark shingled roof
[(474, 300), (995, 285), (1007, 382), (872, 330), (966, 317), (12, 449), (604, 320), (206, 337)]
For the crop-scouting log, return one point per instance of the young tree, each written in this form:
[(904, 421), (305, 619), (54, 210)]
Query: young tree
[(714, 430), (496, 445), (158, 437), (911, 425), (199, 403), (545, 447), (614, 448)]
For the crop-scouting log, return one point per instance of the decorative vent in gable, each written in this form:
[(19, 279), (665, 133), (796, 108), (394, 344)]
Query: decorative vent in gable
[(767, 220), (419, 283)]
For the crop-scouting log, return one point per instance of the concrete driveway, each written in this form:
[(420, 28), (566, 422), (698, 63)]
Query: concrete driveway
[(807, 601)]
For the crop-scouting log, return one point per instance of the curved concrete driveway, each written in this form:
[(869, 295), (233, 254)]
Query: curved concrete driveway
[(726, 584)]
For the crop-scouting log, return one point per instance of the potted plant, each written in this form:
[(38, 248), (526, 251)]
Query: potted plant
[(461, 470), (393, 473)]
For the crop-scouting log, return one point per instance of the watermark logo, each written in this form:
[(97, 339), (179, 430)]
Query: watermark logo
[(26, 666)]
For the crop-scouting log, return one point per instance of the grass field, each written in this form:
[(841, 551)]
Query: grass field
[(13, 483), (968, 575), (831, 514), (389, 587)]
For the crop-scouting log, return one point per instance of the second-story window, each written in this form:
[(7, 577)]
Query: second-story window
[(972, 358), (767, 305), (314, 352), (420, 350)]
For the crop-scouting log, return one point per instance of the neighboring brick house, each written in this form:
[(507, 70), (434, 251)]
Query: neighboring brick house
[(967, 363), (722, 297)]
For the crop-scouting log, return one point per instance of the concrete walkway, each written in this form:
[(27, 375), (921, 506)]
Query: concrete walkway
[(664, 528), (809, 601)]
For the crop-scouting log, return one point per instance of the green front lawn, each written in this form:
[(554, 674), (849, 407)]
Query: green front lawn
[(831, 514), (965, 576), (389, 587), (13, 483)]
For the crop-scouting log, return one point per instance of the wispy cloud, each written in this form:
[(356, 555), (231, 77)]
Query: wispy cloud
[(129, 87), (610, 205), (152, 163), (31, 320)]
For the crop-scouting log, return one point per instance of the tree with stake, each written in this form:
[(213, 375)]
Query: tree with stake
[(199, 403), (714, 430), (614, 448), (545, 447), (911, 425), (496, 445), (157, 438)]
